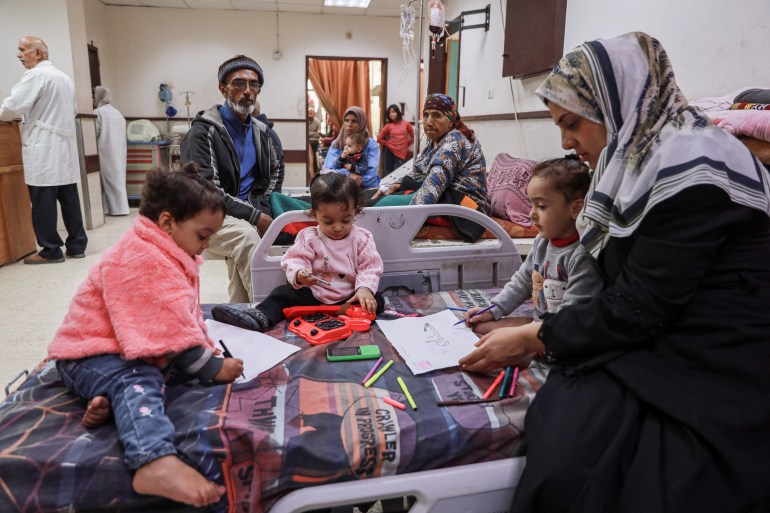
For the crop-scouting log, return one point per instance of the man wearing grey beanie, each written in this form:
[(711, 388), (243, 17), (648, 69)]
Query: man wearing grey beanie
[(235, 151)]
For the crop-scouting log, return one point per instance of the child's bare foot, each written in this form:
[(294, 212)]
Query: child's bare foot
[(99, 409), (171, 478)]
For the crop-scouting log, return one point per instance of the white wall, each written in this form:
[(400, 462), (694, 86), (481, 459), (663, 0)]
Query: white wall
[(185, 47), (139, 48), (715, 49), (98, 33), (48, 20)]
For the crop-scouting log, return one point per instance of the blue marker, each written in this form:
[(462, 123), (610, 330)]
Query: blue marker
[(474, 315)]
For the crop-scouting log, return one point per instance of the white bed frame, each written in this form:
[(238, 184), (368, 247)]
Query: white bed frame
[(479, 488), (420, 266)]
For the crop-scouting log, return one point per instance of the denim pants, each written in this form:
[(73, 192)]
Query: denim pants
[(390, 162), (136, 391)]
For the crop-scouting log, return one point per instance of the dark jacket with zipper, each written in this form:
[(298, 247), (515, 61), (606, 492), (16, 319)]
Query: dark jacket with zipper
[(209, 145), (278, 150)]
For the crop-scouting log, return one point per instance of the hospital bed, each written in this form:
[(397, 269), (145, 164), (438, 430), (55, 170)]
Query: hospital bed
[(410, 265), (301, 436)]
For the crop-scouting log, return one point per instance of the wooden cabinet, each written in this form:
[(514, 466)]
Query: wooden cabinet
[(17, 238)]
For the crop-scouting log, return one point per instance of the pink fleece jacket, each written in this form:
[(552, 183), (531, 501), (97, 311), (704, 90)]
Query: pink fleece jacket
[(139, 301), (348, 264)]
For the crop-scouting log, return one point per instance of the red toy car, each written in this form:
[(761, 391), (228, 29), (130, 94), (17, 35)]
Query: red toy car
[(322, 324)]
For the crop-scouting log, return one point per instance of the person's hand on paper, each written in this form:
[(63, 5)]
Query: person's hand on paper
[(231, 369), (484, 317), (502, 347), (365, 297)]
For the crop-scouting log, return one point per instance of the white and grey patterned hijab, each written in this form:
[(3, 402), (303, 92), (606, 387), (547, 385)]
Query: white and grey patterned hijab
[(657, 145)]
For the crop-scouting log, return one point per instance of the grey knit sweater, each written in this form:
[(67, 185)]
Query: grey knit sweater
[(553, 276)]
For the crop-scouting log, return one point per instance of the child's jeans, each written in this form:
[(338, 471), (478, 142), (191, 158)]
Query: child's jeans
[(136, 392)]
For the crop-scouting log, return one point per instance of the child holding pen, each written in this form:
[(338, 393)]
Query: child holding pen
[(136, 314), (558, 271), (333, 263)]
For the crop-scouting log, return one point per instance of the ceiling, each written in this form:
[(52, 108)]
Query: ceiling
[(388, 8)]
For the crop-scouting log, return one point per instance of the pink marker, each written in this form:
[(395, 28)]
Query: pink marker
[(395, 403), (371, 372), (494, 385), (513, 383)]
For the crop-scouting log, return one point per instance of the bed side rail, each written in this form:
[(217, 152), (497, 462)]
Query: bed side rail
[(486, 263)]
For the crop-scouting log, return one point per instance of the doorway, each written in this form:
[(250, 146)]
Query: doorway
[(332, 84), (93, 67)]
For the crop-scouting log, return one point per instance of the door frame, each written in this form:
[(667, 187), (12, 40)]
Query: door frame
[(383, 93)]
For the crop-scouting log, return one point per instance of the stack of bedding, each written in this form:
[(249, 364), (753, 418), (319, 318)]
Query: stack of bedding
[(745, 114)]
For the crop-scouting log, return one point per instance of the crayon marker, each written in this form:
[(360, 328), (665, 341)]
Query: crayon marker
[(513, 382), (379, 373), (475, 314), (491, 389), (406, 392), (369, 374), (395, 403)]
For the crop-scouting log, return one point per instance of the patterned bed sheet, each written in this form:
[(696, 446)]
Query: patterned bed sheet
[(304, 423)]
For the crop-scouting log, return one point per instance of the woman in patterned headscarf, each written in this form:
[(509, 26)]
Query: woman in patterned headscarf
[(451, 168), (354, 122), (659, 399)]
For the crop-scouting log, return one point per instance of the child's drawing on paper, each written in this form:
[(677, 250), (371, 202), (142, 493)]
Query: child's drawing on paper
[(429, 343)]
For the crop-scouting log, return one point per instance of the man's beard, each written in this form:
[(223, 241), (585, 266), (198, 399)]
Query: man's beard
[(243, 110)]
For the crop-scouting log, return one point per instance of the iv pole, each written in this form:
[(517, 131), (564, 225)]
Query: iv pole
[(417, 103), (187, 103)]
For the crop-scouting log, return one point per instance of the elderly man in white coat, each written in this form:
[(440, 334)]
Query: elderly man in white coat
[(45, 99), (111, 142)]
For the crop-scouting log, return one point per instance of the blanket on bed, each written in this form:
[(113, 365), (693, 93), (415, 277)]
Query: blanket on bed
[(304, 423)]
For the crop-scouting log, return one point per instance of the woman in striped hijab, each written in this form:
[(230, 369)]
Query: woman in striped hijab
[(659, 398)]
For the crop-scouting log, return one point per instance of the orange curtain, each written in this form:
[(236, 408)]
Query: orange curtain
[(340, 84)]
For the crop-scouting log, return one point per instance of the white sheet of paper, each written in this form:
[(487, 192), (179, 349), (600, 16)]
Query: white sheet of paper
[(258, 351), (429, 343)]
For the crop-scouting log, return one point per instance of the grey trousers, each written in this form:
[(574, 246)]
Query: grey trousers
[(236, 241)]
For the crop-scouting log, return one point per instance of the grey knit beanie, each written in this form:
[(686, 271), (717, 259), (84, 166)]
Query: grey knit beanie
[(239, 62)]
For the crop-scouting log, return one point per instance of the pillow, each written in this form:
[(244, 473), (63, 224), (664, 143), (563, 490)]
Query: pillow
[(507, 186)]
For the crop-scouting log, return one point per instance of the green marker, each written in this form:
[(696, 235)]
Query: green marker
[(406, 393), (379, 373)]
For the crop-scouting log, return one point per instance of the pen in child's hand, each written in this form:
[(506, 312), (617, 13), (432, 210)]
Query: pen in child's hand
[(227, 353), (475, 314), (319, 280)]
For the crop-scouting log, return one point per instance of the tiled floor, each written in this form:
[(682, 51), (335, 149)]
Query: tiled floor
[(34, 298)]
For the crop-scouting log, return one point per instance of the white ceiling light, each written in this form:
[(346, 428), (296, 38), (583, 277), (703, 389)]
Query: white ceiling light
[(363, 4)]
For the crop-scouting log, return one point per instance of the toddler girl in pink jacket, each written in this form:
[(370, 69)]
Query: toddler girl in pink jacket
[(137, 312), (335, 262)]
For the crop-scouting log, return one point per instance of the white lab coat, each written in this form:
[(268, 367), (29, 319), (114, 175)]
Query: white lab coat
[(111, 142), (45, 98)]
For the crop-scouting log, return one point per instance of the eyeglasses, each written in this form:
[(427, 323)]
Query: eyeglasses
[(240, 83)]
